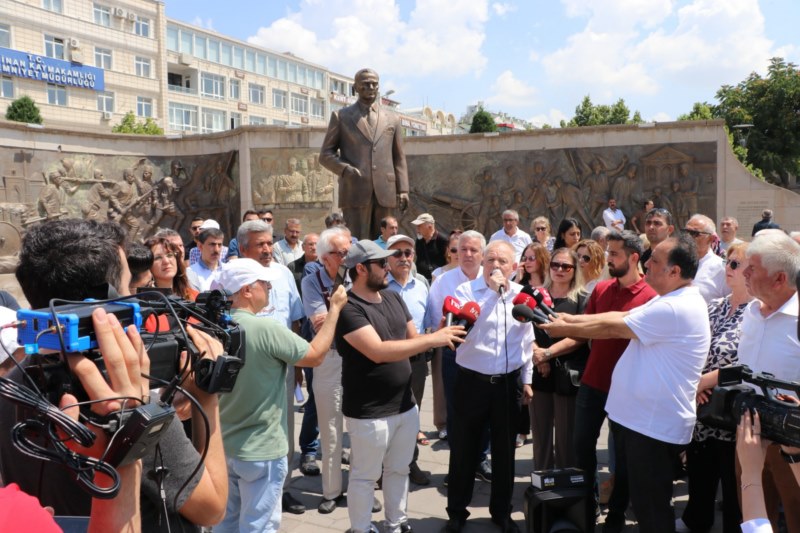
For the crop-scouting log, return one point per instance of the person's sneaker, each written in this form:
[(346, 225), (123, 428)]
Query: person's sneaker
[(484, 471), (327, 506), (376, 505), (681, 527), (405, 527), (290, 504), (442, 434), (308, 465), (417, 476)]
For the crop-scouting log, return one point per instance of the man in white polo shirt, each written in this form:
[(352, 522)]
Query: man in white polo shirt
[(651, 403), (710, 278), (511, 233)]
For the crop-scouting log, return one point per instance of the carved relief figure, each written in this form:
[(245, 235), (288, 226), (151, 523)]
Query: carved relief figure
[(264, 184), (320, 181), (53, 197), (292, 187), (689, 188), (595, 178), (164, 197), (625, 191), (124, 199), (96, 203), (679, 210)]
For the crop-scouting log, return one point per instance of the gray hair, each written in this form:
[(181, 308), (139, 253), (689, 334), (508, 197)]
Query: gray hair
[(511, 212), (324, 244), (165, 233), (251, 226), (472, 234), (600, 233), (732, 219), (708, 224), (291, 221), (778, 253)]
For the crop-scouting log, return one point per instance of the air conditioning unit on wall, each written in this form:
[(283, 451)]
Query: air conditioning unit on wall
[(131, 16), (74, 42), (108, 115), (119, 12), (185, 59)]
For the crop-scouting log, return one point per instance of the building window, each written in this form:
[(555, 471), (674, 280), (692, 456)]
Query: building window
[(105, 101), (142, 66), (212, 86), (56, 94), (54, 47), (187, 42), (257, 121), (317, 108), (144, 106), (235, 92), (102, 15), (6, 87), (182, 117), (213, 120), (172, 38), (256, 94), (142, 26), (5, 35), (102, 58), (278, 99), (276, 122), (53, 5), (236, 120), (299, 104)]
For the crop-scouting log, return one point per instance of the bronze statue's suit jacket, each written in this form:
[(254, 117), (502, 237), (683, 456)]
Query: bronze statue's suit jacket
[(381, 160)]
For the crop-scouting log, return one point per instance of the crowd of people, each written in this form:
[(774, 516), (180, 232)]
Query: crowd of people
[(640, 323)]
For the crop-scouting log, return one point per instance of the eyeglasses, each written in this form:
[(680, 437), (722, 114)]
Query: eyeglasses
[(340, 253), (526, 258), (733, 263), (564, 267), (408, 252), (541, 229), (169, 256), (584, 258), (380, 262), (453, 250), (694, 233)]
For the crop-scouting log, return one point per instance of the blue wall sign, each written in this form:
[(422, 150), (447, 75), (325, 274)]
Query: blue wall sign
[(47, 69)]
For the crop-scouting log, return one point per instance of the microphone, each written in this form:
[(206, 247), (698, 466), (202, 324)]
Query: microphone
[(534, 314), (547, 299), (541, 303), (469, 315), (451, 309), (502, 288)]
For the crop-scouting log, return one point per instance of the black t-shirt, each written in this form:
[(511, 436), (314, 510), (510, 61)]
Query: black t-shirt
[(579, 356), (374, 390), (431, 254)]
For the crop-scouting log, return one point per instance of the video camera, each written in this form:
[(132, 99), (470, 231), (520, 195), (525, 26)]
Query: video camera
[(780, 420)]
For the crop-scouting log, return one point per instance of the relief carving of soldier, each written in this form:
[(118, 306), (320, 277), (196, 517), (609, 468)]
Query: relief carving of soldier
[(292, 187), (264, 184), (95, 206), (53, 197)]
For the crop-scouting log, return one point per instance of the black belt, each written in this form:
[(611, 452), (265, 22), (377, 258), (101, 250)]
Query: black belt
[(493, 379)]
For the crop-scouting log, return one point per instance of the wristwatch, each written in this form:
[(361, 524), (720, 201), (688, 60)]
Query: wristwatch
[(792, 458), (547, 355)]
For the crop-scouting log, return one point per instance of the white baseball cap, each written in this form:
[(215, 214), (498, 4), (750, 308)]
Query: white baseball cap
[(209, 224), (243, 271)]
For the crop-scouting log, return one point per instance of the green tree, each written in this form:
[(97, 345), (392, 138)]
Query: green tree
[(129, 124), (482, 122), (700, 111), (24, 109), (772, 105), (589, 114)]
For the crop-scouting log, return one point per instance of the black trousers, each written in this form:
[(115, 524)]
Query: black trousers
[(590, 413), (710, 462), (476, 403), (651, 471)]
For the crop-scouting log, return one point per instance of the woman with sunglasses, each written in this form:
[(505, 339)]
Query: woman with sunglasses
[(710, 458), (168, 272), (540, 231), (592, 261), (568, 234), (451, 254), (553, 404)]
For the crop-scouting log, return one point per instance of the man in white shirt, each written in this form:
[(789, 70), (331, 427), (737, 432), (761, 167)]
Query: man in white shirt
[(651, 403), (614, 218), (512, 234), (206, 270), (769, 343), (710, 278), (728, 227), (289, 248)]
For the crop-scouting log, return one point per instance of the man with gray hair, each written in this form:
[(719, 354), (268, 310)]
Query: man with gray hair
[(728, 227), (511, 233), (600, 236), (288, 249), (710, 277)]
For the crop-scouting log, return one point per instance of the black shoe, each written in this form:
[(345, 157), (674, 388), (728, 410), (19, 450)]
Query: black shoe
[(328, 506), (376, 505), (417, 476), (446, 479), (614, 523), (484, 471), (308, 465), (507, 525), (405, 527), (290, 504), (454, 525)]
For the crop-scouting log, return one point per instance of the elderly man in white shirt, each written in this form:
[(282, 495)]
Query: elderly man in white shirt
[(710, 278), (511, 233)]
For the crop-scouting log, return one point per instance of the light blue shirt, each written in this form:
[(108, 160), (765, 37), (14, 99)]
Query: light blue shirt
[(284, 305), (415, 295), (380, 242), (201, 277)]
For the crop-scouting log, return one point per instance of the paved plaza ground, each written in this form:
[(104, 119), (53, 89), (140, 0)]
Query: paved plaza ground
[(426, 505)]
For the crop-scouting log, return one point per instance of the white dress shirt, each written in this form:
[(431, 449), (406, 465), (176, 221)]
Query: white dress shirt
[(495, 331), (519, 240), (285, 254), (442, 287), (614, 219), (710, 277)]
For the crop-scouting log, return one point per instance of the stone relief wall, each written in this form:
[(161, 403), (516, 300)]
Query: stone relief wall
[(290, 179), (471, 190), (142, 193)]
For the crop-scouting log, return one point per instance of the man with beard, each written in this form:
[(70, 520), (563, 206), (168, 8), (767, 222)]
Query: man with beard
[(288, 249), (203, 273), (658, 226), (376, 337), (625, 290)]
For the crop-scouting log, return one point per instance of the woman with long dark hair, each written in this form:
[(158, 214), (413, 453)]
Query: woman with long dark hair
[(568, 234)]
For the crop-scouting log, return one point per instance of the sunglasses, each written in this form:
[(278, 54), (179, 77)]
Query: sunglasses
[(380, 262), (584, 258), (541, 229), (453, 250), (694, 233), (526, 258), (408, 252), (733, 263), (564, 267)]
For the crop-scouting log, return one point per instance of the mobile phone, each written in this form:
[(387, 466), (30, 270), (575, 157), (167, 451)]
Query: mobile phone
[(340, 274)]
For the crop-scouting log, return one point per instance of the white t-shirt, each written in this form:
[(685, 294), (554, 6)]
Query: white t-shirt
[(769, 344), (654, 384), (710, 277)]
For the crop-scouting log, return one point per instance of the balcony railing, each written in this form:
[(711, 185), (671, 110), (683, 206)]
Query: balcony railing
[(180, 89)]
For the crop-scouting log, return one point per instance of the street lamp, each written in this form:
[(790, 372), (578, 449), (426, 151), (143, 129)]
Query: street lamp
[(744, 132)]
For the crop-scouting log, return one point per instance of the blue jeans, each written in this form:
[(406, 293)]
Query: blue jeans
[(255, 489), (309, 432)]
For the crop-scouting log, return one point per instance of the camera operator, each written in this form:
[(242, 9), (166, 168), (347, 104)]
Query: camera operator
[(126, 359), (76, 259)]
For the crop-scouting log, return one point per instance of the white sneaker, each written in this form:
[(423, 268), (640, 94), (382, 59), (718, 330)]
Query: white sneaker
[(681, 527)]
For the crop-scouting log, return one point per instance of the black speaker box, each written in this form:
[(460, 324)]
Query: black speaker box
[(557, 510)]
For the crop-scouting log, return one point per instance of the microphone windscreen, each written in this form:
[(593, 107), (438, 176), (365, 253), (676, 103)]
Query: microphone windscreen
[(524, 299), (470, 312), (522, 313), (451, 305)]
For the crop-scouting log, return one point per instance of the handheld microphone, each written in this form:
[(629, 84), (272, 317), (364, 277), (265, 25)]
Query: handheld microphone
[(528, 301), (469, 315), (541, 303), (502, 288), (451, 309)]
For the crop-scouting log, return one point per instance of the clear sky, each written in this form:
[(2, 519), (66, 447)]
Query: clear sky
[(533, 59)]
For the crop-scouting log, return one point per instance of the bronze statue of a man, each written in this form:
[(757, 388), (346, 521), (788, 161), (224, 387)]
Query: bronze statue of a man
[(364, 147)]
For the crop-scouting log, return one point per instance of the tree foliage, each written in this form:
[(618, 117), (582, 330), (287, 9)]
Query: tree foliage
[(772, 105), (589, 114), (482, 122), (24, 109), (700, 111), (129, 124)]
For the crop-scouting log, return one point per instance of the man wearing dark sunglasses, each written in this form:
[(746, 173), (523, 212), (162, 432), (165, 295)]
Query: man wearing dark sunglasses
[(710, 277)]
